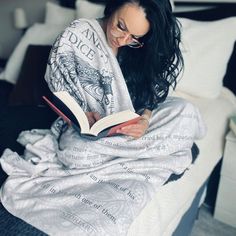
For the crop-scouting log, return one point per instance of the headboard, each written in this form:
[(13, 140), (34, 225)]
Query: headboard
[(67, 3), (71, 3)]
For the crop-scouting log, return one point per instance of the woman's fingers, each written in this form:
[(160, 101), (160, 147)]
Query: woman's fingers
[(135, 131), (96, 116), (92, 117)]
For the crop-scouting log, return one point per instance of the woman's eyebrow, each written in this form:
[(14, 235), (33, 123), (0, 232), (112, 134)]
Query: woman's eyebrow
[(133, 35)]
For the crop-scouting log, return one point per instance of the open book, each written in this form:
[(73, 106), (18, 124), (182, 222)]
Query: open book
[(68, 108)]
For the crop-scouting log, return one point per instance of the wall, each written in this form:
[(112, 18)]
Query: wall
[(9, 36)]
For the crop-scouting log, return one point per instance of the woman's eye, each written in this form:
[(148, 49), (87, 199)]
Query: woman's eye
[(120, 26)]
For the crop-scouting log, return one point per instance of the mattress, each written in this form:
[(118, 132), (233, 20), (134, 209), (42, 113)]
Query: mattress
[(162, 215)]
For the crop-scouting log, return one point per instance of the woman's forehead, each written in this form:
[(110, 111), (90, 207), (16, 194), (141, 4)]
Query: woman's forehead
[(134, 18)]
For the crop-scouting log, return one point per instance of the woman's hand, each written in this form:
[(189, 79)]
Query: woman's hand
[(135, 130), (92, 117)]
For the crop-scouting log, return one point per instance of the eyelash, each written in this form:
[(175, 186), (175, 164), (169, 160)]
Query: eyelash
[(119, 25)]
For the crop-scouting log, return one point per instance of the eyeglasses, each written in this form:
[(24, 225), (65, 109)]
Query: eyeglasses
[(120, 31)]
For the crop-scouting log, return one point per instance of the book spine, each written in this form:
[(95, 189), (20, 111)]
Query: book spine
[(58, 111)]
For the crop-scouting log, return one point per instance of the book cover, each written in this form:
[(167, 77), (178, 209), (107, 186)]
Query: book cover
[(66, 107)]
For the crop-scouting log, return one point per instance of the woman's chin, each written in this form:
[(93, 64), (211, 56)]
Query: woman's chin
[(114, 44)]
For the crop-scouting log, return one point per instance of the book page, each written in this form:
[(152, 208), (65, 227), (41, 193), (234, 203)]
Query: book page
[(111, 120), (71, 103)]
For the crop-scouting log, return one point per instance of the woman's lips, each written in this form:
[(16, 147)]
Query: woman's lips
[(114, 43)]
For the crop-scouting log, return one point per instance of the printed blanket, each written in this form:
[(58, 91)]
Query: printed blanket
[(68, 185)]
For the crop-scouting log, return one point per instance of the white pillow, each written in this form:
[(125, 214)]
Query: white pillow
[(207, 47), (86, 9), (57, 15), (172, 4), (38, 34)]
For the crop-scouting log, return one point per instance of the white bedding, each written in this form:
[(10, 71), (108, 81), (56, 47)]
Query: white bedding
[(37, 34), (162, 215)]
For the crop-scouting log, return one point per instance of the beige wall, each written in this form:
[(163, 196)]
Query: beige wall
[(9, 36)]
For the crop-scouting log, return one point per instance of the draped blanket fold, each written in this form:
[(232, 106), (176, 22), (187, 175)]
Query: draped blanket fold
[(68, 185)]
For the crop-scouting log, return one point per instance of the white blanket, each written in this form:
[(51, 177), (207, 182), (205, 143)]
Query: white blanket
[(68, 185)]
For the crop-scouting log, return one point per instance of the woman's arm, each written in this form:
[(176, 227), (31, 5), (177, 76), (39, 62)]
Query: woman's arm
[(147, 115)]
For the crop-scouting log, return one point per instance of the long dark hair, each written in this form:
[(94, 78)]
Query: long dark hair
[(152, 69)]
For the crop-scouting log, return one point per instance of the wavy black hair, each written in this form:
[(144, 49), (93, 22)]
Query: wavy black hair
[(151, 70)]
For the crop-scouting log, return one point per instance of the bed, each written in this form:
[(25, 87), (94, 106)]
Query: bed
[(174, 208)]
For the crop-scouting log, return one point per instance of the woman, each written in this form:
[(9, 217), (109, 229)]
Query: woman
[(145, 37), (127, 60), (151, 69)]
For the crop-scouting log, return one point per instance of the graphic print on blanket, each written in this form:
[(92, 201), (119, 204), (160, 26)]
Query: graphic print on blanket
[(72, 186), (99, 87), (78, 63)]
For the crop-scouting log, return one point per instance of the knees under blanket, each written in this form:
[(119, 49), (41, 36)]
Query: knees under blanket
[(82, 187)]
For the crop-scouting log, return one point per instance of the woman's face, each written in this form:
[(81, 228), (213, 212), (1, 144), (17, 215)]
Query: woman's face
[(126, 26)]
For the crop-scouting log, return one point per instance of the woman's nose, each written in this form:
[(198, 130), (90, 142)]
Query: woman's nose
[(125, 39)]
